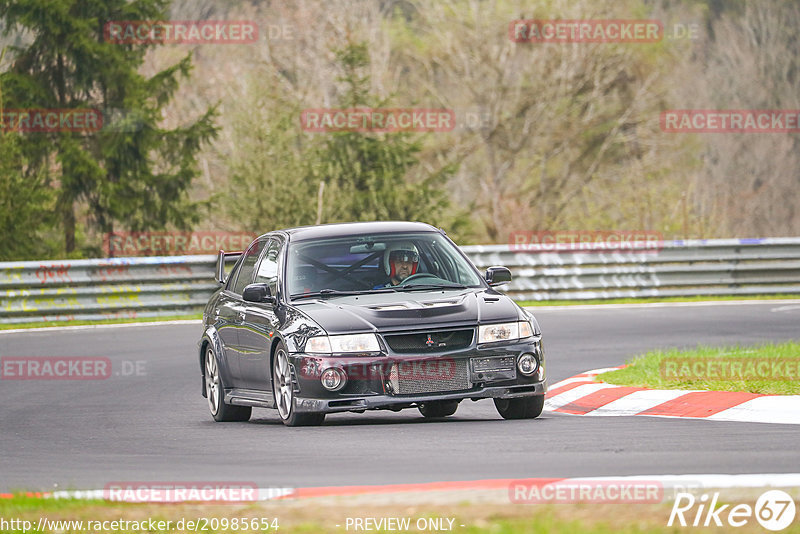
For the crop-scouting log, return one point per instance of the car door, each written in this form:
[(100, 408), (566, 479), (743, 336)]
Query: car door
[(226, 321), (260, 324), (236, 310)]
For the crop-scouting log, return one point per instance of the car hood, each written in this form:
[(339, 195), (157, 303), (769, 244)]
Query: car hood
[(415, 309)]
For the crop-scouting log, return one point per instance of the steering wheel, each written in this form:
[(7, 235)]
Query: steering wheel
[(417, 276)]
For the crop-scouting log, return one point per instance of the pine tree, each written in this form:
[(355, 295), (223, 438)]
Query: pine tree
[(26, 204), (368, 173), (132, 173)]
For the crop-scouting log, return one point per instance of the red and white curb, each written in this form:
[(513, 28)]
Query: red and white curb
[(583, 395), (504, 485)]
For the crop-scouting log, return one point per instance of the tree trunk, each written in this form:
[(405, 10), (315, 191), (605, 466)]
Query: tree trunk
[(68, 221)]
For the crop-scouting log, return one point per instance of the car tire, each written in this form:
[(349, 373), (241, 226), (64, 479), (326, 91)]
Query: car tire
[(438, 408), (522, 408), (283, 392), (215, 392)]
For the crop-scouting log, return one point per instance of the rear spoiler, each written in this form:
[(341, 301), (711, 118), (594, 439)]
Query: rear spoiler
[(222, 257)]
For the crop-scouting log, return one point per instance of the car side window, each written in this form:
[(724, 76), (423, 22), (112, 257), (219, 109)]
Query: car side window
[(245, 276), (268, 269), (232, 276)]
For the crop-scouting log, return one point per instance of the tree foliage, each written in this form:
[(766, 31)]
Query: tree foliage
[(26, 204), (548, 136), (131, 174), (281, 176), (369, 174)]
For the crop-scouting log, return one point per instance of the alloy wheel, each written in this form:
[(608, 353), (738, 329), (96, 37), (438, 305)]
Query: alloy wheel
[(284, 393), (212, 382)]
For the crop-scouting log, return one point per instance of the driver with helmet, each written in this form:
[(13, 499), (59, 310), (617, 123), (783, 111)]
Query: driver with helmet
[(400, 261)]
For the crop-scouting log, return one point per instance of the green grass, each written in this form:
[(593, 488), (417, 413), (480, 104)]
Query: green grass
[(8, 326), (647, 300), (769, 369), (21, 504)]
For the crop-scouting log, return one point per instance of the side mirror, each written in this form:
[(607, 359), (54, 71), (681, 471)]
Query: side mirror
[(258, 293), (222, 258), (497, 275)]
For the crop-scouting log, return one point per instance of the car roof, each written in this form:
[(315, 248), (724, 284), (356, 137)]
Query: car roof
[(303, 233)]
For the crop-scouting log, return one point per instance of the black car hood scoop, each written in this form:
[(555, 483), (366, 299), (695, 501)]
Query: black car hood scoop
[(419, 308), (409, 310)]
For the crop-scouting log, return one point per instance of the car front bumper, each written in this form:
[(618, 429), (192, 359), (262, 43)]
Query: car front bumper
[(374, 402), (396, 381)]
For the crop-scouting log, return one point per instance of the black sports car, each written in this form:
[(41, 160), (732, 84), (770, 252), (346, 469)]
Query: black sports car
[(362, 316)]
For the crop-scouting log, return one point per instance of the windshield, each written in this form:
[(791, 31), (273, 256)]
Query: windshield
[(375, 263)]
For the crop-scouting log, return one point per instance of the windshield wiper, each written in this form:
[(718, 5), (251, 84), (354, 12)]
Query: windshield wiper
[(411, 287), (325, 293)]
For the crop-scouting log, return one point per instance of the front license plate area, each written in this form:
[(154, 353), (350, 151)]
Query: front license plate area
[(492, 369)]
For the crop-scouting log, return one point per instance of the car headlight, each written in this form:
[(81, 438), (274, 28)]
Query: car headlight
[(489, 333), (345, 343)]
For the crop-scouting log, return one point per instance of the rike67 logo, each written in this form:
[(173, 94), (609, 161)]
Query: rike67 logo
[(774, 510)]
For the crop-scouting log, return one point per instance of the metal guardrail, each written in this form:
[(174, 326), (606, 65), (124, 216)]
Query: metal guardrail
[(112, 288), (680, 268)]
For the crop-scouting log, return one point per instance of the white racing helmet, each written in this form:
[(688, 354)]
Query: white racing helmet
[(404, 251)]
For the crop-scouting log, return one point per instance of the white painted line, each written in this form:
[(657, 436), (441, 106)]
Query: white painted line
[(264, 494), (701, 481), (568, 307), (708, 480), (588, 375), (676, 483), (602, 370), (574, 394), (569, 381), (77, 494), (94, 326), (785, 308), (781, 409)]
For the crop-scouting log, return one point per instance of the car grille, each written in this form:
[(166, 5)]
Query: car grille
[(435, 341), (429, 376)]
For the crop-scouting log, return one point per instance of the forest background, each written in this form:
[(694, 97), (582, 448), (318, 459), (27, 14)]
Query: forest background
[(548, 136)]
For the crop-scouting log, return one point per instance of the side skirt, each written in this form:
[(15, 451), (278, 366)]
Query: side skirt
[(250, 397)]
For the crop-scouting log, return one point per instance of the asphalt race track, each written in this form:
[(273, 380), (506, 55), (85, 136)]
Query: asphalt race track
[(153, 425)]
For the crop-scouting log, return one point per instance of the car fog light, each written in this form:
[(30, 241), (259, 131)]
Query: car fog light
[(333, 379), (527, 364)]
